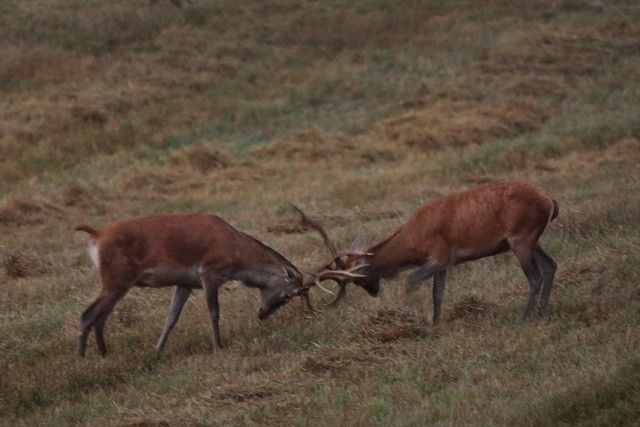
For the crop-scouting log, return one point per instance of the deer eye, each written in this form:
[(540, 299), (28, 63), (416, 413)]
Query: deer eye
[(286, 295)]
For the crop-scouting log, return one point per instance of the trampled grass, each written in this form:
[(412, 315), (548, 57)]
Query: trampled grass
[(358, 112)]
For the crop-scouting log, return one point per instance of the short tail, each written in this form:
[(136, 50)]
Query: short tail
[(556, 209), (87, 229)]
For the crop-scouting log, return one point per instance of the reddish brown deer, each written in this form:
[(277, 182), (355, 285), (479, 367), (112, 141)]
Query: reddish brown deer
[(477, 223), (188, 251)]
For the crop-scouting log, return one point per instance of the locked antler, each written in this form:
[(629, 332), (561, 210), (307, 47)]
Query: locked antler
[(327, 271)]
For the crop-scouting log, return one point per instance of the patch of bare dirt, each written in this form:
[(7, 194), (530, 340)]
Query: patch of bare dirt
[(394, 325), (339, 359), (471, 307)]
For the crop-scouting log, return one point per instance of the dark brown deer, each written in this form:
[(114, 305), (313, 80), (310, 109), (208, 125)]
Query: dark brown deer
[(477, 223), (188, 251)]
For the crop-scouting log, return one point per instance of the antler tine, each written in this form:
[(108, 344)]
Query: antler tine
[(353, 253), (326, 273), (338, 274), (305, 220)]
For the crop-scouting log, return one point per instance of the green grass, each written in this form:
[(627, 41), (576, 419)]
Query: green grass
[(612, 400), (501, 156)]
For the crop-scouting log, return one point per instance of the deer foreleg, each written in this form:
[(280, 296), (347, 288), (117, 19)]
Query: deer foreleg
[(211, 286), (424, 272), (180, 296)]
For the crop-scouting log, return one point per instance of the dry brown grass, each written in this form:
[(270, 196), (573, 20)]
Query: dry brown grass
[(200, 158), (446, 124), (17, 265), (357, 112), (25, 210)]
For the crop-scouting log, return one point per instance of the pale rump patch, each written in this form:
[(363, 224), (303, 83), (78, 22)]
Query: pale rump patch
[(93, 253)]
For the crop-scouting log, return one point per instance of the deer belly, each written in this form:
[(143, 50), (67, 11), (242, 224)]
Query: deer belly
[(461, 256), (161, 277)]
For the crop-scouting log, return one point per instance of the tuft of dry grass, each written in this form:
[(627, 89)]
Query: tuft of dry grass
[(201, 158), (26, 210), (83, 196), (442, 125), (19, 265)]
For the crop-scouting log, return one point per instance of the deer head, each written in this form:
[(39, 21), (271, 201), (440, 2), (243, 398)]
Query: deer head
[(279, 289)]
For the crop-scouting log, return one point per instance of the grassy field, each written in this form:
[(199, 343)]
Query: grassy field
[(359, 112)]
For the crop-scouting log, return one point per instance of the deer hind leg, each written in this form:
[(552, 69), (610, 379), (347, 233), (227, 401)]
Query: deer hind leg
[(180, 296), (439, 284), (99, 330), (548, 268), (95, 316), (532, 272)]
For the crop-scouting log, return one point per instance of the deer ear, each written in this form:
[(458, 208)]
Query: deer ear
[(292, 272), (358, 244)]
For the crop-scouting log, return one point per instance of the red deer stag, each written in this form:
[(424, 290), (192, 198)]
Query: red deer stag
[(477, 223), (188, 251)]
